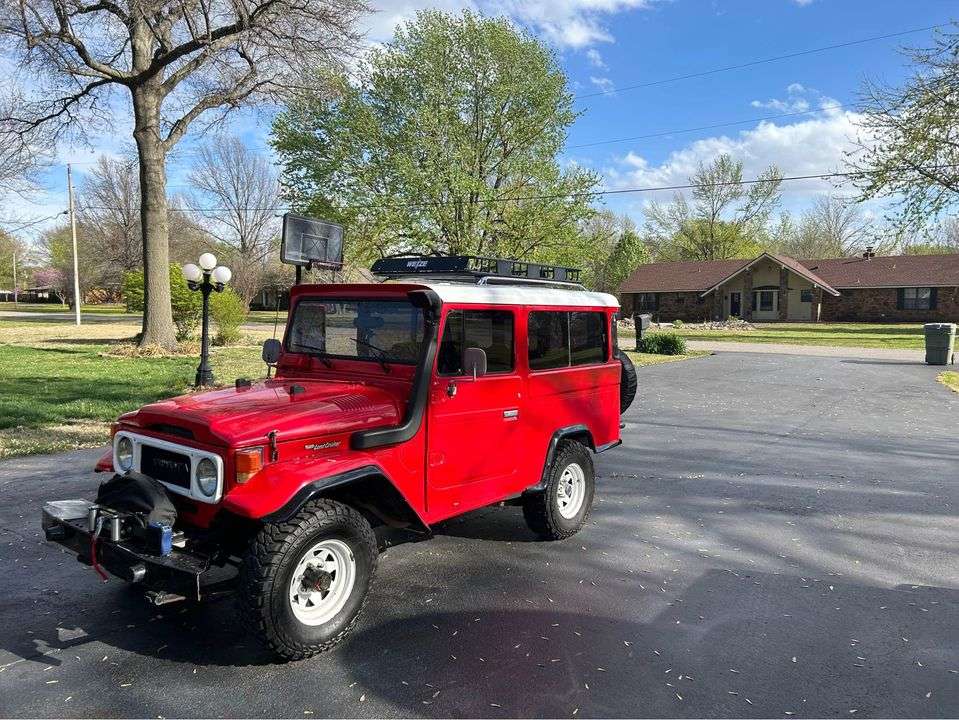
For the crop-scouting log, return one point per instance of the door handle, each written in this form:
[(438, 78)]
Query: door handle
[(510, 414), (451, 389)]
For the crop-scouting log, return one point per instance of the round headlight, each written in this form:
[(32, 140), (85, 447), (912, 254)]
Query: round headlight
[(206, 478), (125, 453)]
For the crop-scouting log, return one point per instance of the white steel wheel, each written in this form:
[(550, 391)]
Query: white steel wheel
[(571, 491), (322, 582)]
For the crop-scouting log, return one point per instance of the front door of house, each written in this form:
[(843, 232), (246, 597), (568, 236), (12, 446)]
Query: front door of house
[(735, 304)]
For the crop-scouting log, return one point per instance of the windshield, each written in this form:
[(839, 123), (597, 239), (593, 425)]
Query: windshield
[(377, 330)]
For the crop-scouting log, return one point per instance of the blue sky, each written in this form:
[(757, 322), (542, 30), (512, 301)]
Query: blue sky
[(606, 45)]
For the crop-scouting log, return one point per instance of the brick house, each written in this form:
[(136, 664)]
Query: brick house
[(903, 288)]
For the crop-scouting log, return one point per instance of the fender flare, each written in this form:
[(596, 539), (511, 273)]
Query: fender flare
[(579, 433), (339, 484)]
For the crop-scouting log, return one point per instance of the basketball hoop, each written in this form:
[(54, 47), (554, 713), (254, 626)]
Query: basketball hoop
[(311, 243)]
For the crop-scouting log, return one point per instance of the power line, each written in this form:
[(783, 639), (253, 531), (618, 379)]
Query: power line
[(761, 61), (559, 196), (666, 133), (34, 222)]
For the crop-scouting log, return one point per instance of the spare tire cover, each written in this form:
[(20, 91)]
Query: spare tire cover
[(628, 382), (139, 494)]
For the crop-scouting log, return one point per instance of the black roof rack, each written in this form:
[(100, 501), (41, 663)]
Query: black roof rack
[(474, 268)]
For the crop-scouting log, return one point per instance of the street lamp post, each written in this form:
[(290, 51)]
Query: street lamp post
[(206, 278)]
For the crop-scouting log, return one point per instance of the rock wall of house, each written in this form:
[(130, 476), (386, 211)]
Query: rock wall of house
[(685, 306), (879, 305)]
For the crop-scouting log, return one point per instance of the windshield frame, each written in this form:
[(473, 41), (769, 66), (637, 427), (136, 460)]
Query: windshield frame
[(335, 298)]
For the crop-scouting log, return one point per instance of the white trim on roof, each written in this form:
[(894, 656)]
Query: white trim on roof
[(772, 258), (519, 295)]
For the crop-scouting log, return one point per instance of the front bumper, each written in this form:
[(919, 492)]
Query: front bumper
[(66, 522)]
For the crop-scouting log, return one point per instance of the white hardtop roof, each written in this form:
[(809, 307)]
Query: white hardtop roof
[(453, 292)]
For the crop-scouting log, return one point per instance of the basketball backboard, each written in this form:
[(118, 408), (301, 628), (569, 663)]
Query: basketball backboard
[(311, 243)]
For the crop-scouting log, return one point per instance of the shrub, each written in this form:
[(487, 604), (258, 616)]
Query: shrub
[(677, 323), (663, 343), (187, 305), (228, 312)]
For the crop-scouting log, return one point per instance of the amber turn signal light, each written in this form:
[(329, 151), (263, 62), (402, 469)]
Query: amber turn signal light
[(248, 463)]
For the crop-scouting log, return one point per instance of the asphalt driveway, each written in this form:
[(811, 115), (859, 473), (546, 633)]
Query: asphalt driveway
[(777, 537)]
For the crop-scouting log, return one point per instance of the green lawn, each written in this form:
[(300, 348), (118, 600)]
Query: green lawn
[(640, 359), (864, 335), (63, 394), (950, 378), (102, 309), (267, 317)]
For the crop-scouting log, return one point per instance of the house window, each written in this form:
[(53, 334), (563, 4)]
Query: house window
[(917, 298), (805, 296), (765, 300), (647, 302)]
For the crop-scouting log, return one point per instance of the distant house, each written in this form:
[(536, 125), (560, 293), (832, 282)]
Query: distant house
[(903, 288)]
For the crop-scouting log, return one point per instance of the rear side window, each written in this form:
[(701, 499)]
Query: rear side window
[(489, 330), (561, 339), (587, 338), (548, 340)]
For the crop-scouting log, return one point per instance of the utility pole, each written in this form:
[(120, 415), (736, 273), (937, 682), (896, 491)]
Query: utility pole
[(73, 232), (14, 276)]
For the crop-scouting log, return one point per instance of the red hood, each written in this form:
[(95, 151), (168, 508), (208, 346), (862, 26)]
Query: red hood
[(245, 416)]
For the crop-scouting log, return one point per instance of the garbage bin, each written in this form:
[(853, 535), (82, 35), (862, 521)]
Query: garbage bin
[(940, 343)]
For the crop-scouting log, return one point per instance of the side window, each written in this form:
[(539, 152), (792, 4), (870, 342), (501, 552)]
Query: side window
[(490, 330), (587, 338), (548, 340)]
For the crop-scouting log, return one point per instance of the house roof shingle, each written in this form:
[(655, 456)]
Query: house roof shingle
[(839, 273)]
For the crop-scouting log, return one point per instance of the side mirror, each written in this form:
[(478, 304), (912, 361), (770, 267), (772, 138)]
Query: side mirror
[(271, 351), (474, 362)]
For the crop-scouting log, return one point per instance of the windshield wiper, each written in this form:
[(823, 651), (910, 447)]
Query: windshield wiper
[(319, 352), (381, 353)]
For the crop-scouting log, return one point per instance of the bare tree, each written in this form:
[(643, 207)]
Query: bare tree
[(109, 210), (238, 194), (726, 218), (180, 61), (18, 160), (831, 227)]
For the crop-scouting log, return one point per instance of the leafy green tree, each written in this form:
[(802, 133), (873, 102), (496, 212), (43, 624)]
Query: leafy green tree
[(446, 142), (56, 249), (228, 310), (187, 304), (907, 150), (612, 248), (726, 219)]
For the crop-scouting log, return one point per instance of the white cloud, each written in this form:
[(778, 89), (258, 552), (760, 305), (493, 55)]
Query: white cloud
[(810, 147), (797, 105), (595, 59), (565, 23), (603, 83)]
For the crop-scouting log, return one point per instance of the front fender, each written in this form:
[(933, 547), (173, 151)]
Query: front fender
[(278, 483)]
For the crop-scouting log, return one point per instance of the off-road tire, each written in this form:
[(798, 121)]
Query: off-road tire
[(541, 508), (266, 573), (628, 383)]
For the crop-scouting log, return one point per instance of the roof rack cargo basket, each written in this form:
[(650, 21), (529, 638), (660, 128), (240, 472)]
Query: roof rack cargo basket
[(473, 267)]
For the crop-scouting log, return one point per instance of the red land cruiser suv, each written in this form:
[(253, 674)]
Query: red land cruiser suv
[(394, 406)]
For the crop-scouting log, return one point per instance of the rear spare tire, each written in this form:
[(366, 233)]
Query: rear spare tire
[(304, 582), (628, 382)]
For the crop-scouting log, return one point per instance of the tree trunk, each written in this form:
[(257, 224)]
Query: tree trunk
[(158, 327)]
